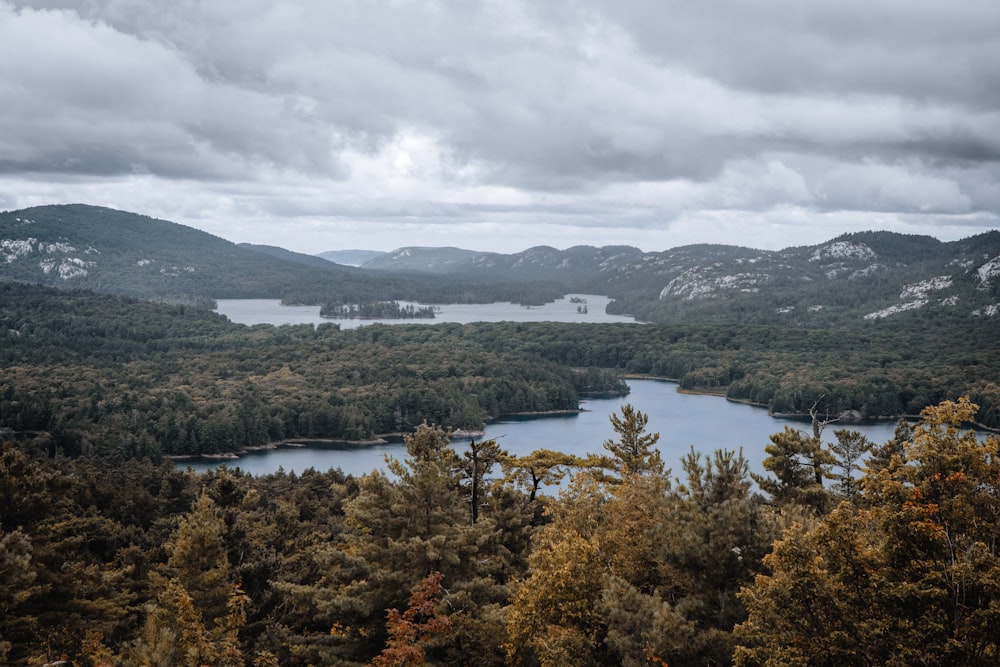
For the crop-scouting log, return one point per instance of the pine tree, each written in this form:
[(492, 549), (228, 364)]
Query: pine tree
[(911, 576), (633, 453), (799, 464), (848, 449), (479, 460), (198, 560), (198, 613), (540, 467)]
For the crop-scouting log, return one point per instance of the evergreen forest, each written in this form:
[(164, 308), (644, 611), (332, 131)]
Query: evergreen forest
[(85, 372), (856, 553), (450, 558)]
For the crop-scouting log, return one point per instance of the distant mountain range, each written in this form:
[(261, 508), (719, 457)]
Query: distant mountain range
[(854, 277), (848, 280), (118, 252), (350, 257)]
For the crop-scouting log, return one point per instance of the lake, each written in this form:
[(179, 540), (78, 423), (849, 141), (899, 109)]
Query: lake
[(270, 311), (682, 420)]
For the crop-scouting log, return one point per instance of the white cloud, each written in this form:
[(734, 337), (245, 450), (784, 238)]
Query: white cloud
[(884, 187)]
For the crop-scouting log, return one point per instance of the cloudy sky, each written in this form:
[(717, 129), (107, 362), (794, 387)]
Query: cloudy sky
[(503, 124)]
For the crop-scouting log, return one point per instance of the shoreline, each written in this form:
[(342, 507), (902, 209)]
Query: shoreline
[(472, 434), (290, 443), (380, 439), (844, 418)]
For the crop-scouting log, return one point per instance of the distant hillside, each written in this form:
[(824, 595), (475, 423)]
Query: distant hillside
[(431, 260), (350, 257), (576, 267), (117, 252), (848, 280)]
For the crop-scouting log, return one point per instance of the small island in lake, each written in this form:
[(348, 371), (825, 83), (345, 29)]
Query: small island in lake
[(371, 310)]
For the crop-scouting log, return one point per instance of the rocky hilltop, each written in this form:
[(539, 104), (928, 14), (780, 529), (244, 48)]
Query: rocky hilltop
[(853, 278)]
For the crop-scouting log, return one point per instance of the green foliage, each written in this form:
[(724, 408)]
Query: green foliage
[(633, 452), (800, 464), (146, 379), (83, 371), (395, 533)]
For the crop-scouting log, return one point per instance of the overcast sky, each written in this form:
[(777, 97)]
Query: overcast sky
[(499, 125)]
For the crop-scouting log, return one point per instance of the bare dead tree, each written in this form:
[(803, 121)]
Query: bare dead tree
[(819, 424)]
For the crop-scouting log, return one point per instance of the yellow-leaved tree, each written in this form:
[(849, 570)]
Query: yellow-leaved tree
[(908, 574)]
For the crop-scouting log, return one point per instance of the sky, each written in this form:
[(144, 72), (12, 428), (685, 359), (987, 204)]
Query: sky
[(499, 125)]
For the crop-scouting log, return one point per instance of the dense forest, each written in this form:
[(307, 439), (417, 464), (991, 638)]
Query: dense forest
[(84, 371), (855, 553), (449, 558)]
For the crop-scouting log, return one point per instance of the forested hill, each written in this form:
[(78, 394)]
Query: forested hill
[(846, 281), (117, 252), (113, 251), (851, 280)]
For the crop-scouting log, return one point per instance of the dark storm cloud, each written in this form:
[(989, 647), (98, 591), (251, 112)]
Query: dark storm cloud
[(914, 49)]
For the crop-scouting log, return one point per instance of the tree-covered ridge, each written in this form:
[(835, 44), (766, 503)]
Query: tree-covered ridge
[(849, 281), (453, 561), (117, 252), (842, 282)]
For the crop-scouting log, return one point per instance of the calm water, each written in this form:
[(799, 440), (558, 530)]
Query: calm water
[(682, 420), (270, 311)]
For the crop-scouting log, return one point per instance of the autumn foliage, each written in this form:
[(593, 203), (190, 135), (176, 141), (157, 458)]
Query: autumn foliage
[(858, 555)]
